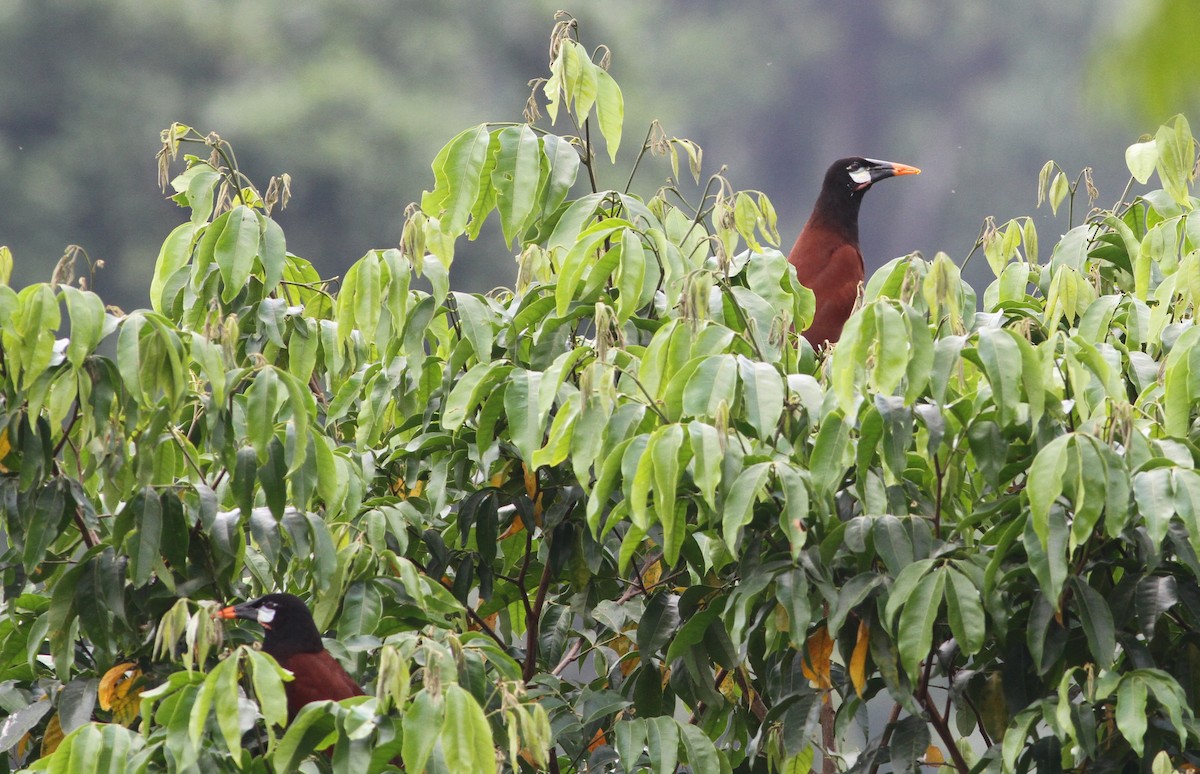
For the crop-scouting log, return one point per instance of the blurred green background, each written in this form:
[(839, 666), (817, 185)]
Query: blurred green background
[(353, 98)]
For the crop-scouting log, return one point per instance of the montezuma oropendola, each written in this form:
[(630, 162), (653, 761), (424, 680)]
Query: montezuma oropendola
[(292, 639), (826, 255)]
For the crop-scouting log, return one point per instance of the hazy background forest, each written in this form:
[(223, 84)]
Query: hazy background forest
[(353, 98)]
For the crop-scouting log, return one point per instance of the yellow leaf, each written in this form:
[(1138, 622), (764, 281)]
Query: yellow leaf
[(531, 483), (501, 475), (401, 491), (120, 691), (858, 660), (817, 662), (598, 739), (933, 755), (728, 688), (5, 448), (53, 736), (490, 620), (652, 574), (516, 526)]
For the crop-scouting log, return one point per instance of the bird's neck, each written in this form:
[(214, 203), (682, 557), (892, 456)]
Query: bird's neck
[(283, 647), (838, 210)]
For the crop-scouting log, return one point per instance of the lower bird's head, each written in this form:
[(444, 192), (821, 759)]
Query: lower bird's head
[(856, 174), (286, 621)]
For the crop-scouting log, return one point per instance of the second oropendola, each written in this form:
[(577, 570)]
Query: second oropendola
[(292, 639), (826, 255)]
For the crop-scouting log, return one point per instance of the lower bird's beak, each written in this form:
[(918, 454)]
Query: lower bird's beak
[(904, 169)]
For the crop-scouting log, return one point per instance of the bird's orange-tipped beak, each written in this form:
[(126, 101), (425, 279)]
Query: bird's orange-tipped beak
[(904, 169), (227, 612)]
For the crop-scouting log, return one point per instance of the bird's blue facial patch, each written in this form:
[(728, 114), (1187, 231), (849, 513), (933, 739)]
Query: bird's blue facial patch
[(266, 615)]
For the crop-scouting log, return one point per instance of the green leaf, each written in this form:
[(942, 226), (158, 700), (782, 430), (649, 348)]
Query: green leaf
[(595, 705), (701, 754), (1141, 158), (470, 390), (707, 456), (665, 450), (466, 737), (478, 324), (658, 624), (1015, 737), (564, 167), (1132, 717), (1097, 620), (711, 384), (49, 518), (198, 185), (794, 517), (573, 221), (304, 733), (903, 587), (630, 741), (1048, 559), (662, 743), (272, 251), (581, 261), (172, 256), (631, 275), (261, 400), (915, 634), (517, 178), (692, 631), (964, 609), (826, 464), (1045, 484), (1059, 188), (235, 250), (763, 390), (910, 740), (144, 552), (423, 722), (891, 349), (610, 111), (526, 423), (359, 304), (739, 503), (1176, 157), (457, 171), (1001, 357)]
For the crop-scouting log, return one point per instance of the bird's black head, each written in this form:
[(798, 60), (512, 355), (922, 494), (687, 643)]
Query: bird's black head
[(288, 625), (854, 174), (845, 182)]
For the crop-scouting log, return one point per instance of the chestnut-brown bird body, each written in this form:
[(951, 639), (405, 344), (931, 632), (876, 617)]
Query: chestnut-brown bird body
[(826, 255), (291, 638)]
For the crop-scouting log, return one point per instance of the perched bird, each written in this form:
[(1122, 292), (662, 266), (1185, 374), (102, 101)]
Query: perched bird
[(292, 639), (826, 255)]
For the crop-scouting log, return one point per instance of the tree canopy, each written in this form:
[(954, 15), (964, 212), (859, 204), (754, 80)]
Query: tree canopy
[(619, 516)]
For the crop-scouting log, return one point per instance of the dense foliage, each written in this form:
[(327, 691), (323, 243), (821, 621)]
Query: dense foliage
[(620, 516)]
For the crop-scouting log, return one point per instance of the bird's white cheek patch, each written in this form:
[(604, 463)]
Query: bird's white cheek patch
[(861, 176), (265, 615)]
